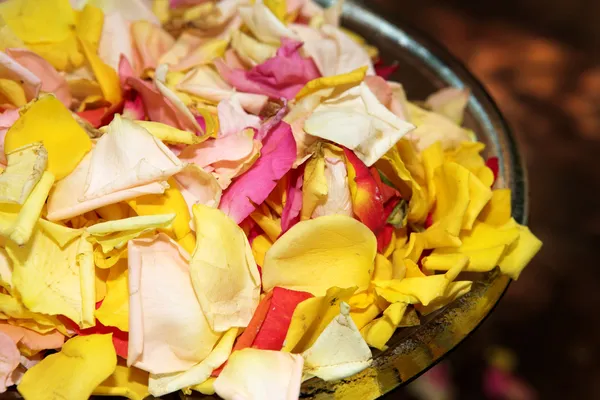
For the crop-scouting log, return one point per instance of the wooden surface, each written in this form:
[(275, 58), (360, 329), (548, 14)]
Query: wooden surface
[(547, 83)]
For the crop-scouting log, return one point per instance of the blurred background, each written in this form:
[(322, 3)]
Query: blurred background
[(540, 61)]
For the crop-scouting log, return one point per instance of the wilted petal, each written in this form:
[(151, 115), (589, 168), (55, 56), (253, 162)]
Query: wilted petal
[(260, 374), (24, 169), (168, 331)]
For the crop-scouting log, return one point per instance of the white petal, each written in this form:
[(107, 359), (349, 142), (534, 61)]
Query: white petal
[(339, 352), (128, 156), (338, 195)]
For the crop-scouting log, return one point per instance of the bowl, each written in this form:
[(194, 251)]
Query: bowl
[(424, 67)]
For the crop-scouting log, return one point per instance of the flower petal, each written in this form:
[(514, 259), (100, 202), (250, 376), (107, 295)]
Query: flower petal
[(260, 374), (82, 364), (339, 352), (278, 155), (312, 256), (65, 141), (24, 170), (168, 331), (223, 270), (129, 382)]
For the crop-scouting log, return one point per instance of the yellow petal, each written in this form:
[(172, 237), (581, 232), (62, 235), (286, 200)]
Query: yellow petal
[(314, 188), (223, 271), (206, 387), (83, 363), (421, 290), (89, 25), (313, 256), (129, 382), (115, 234), (113, 211), (105, 75), (452, 195), (250, 50), (260, 245), (169, 134), (24, 218), (100, 283), (114, 310), (372, 306), (433, 127), (433, 158), (16, 310), (30, 20), (12, 93), (339, 352), (65, 141), (172, 201), (278, 8), (312, 316), (378, 332), (481, 260), (383, 268), (453, 292), (55, 280), (23, 171), (519, 253), (479, 196), (169, 383), (346, 80), (269, 224), (497, 211), (64, 56)]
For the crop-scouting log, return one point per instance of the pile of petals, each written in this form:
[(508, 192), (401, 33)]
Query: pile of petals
[(224, 196)]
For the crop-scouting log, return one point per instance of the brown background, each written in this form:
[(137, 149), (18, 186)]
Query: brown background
[(540, 61)]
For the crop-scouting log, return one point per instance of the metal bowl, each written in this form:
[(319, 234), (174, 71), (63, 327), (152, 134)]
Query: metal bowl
[(425, 67)]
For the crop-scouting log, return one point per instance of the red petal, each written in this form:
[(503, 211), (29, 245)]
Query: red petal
[(279, 316), (385, 71), (492, 163)]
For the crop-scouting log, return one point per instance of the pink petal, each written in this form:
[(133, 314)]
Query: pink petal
[(150, 42), (254, 186), (233, 118), (134, 108), (271, 123), (52, 81), (32, 340), (380, 88), (9, 360), (280, 76), (125, 72), (293, 203), (11, 69), (233, 60), (157, 107), (228, 148)]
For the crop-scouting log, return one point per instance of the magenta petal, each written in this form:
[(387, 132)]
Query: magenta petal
[(293, 203), (385, 71), (282, 76), (134, 109), (253, 187)]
